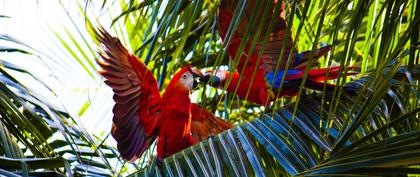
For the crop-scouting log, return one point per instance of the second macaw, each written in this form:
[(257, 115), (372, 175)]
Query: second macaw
[(140, 113), (261, 76)]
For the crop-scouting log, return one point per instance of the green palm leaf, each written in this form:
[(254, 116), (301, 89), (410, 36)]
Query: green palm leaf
[(369, 132), (45, 133), (278, 143)]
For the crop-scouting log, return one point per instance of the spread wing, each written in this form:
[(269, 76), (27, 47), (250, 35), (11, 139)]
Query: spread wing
[(270, 58), (136, 96), (276, 37), (205, 124)]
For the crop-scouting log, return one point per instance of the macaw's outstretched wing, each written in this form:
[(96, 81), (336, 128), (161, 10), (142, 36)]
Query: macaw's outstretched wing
[(252, 67), (276, 35), (270, 60), (205, 124), (136, 96)]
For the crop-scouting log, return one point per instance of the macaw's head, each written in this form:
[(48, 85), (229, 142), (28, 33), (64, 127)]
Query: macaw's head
[(185, 79)]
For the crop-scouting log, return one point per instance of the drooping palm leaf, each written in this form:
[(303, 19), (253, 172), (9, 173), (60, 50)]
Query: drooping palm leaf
[(35, 134), (169, 33)]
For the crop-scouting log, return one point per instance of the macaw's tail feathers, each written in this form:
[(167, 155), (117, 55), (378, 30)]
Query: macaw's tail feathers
[(135, 96), (333, 73), (301, 59), (315, 81), (314, 75), (329, 87), (319, 86), (317, 76), (205, 124)]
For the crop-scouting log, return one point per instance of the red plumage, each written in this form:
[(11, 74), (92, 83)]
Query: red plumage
[(253, 85), (141, 115)]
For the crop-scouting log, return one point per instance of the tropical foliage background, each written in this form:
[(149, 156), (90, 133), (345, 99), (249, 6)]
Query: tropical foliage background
[(55, 112)]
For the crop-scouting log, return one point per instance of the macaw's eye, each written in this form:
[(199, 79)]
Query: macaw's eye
[(184, 76)]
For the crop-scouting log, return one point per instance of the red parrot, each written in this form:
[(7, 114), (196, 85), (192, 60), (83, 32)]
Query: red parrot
[(263, 86), (140, 113)]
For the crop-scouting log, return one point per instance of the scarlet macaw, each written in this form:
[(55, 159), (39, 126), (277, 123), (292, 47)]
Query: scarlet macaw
[(140, 113), (263, 86)]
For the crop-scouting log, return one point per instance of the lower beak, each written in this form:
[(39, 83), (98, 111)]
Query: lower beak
[(196, 73), (195, 84)]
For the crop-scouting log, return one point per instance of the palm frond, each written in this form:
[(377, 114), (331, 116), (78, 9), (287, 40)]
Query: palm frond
[(370, 130), (280, 144), (35, 134)]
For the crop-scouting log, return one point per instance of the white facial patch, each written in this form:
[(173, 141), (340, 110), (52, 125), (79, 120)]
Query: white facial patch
[(187, 80)]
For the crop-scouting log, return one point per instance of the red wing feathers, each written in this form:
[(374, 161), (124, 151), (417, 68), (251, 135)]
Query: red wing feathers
[(270, 60), (274, 44), (136, 96), (205, 124)]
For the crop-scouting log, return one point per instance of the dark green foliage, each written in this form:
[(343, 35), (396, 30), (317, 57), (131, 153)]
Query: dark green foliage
[(280, 143), (373, 131)]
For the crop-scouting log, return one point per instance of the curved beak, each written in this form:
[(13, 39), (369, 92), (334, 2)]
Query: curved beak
[(196, 73)]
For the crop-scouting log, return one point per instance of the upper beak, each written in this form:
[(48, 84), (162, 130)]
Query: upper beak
[(196, 72)]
